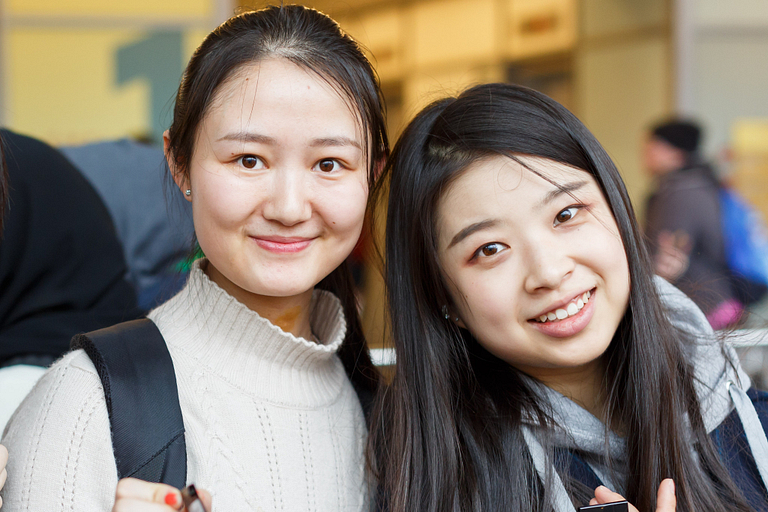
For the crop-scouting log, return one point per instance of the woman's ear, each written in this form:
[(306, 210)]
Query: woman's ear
[(449, 315), (378, 167), (179, 177)]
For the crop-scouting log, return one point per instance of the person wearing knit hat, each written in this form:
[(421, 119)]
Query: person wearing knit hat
[(670, 145), (684, 135), (682, 221)]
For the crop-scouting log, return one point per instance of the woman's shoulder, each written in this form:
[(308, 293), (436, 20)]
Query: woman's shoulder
[(696, 183), (683, 313), (737, 452), (760, 401), (67, 389), (60, 443), (74, 365)]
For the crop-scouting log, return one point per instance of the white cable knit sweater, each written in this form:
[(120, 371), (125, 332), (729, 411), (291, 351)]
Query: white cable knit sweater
[(272, 421)]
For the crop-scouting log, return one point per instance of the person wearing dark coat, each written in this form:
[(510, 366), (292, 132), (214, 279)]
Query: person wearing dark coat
[(62, 269), (154, 229), (683, 225)]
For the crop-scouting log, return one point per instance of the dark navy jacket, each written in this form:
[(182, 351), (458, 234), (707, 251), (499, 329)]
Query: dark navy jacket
[(730, 442)]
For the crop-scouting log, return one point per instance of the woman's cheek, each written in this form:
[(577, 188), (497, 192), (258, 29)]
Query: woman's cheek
[(344, 208), (488, 311), (224, 203), (478, 306)]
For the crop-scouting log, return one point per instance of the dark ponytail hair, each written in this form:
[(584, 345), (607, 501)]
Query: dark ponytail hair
[(448, 430), (315, 42)]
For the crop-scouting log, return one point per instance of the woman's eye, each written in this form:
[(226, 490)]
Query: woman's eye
[(328, 165), (566, 215), (251, 162), (489, 249)]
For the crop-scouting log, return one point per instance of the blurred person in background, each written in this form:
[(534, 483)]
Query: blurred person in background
[(155, 228), (62, 270), (683, 223)]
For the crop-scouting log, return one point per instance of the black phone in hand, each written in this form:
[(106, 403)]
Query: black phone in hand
[(616, 506)]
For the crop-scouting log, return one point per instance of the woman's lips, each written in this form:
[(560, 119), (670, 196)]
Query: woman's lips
[(568, 326), (283, 245)]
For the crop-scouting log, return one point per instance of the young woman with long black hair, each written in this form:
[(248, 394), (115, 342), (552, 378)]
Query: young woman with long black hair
[(277, 133), (538, 358)]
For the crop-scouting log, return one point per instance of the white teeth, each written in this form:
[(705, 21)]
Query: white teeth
[(570, 310)]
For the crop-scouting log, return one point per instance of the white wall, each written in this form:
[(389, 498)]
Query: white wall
[(722, 64)]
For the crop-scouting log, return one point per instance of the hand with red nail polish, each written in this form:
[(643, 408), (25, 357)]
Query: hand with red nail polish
[(665, 497), (137, 495)]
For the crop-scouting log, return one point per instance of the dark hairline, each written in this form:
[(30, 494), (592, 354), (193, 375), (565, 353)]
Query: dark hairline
[(335, 86)]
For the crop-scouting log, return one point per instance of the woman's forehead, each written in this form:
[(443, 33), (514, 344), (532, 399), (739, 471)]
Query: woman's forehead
[(281, 103), (505, 173), (249, 85)]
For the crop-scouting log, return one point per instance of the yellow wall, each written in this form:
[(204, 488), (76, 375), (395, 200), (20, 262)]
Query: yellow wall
[(95, 8), (624, 80), (60, 65), (436, 47), (622, 89), (62, 89)]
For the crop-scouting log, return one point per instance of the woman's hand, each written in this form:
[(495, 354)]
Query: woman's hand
[(3, 471), (137, 495), (673, 255), (665, 497)]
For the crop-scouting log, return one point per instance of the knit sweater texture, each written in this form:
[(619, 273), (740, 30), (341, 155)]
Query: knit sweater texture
[(272, 421)]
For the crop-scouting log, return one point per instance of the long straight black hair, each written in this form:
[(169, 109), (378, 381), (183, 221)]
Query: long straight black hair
[(447, 433), (316, 43)]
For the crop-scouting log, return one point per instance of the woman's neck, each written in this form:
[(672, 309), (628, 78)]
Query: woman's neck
[(291, 314), (583, 385)]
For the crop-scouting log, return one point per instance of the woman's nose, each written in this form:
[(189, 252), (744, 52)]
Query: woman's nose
[(288, 201), (548, 265)]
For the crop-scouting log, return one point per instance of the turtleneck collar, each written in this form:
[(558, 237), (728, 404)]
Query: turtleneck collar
[(209, 326)]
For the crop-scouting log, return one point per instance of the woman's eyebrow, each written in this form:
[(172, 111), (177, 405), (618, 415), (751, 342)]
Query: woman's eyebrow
[(248, 137), (472, 228), (264, 139), (567, 188), (335, 141)]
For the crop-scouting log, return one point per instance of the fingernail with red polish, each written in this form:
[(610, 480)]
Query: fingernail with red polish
[(171, 499)]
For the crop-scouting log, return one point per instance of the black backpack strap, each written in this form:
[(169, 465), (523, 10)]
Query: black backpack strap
[(139, 383)]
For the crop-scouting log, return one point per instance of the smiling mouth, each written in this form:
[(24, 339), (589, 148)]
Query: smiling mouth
[(571, 309), (283, 245)]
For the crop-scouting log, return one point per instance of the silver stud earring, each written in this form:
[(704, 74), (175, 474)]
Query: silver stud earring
[(188, 192), (447, 314)]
